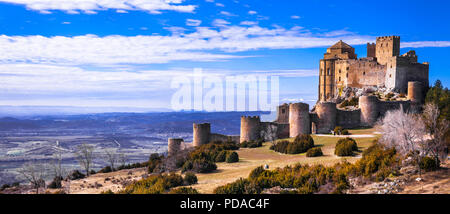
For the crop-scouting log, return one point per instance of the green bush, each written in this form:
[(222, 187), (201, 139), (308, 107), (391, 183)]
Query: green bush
[(56, 183), (429, 164), (190, 178), (252, 144), (154, 160), (154, 184), (241, 186), (221, 157), (105, 169), (314, 152), (345, 147), (352, 102), (184, 190), (75, 175), (232, 157), (256, 172), (345, 132), (377, 162), (300, 144)]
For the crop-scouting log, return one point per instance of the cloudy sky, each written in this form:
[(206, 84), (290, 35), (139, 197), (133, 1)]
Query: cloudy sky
[(124, 53)]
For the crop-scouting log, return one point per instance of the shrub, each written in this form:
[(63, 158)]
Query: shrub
[(314, 152), (300, 144), (241, 186), (429, 164), (345, 147), (190, 178), (199, 166), (402, 95), (56, 183), (338, 130), (256, 172), (92, 172), (154, 160), (378, 161), (221, 157), (232, 157), (105, 169), (154, 184), (107, 192), (75, 175), (345, 132), (184, 190), (352, 102), (390, 95), (252, 144)]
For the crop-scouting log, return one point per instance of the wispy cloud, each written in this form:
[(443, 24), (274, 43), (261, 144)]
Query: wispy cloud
[(423, 44), (193, 22), (91, 6)]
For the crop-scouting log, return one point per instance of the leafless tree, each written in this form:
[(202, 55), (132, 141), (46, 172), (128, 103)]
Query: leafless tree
[(85, 157), (112, 157), (123, 159), (405, 132), (35, 174), (437, 128), (56, 164)]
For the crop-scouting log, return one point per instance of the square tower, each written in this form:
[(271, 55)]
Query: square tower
[(386, 48)]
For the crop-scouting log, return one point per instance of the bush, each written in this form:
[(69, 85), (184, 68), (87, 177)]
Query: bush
[(184, 190), (105, 169), (300, 144), (75, 175), (345, 132), (241, 186), (199, 166), (154, 184), (345, 147), (232, 157), (190, 178), (107, 192), (154, 160), (252, 144), (429, 164), (221, 157), (56, 183), (314, 152), (256, 172), (377, 162), (352, 102)]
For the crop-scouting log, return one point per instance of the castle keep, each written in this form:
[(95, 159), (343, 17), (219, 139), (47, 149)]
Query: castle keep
[(342, 76), (383, 67)]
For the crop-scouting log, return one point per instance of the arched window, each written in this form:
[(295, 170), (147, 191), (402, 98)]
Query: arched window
[(328, 71), (346, 75), (339, 79), (364, 73), (339, 70), (348, 68)]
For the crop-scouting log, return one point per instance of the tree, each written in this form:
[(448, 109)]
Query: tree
[(437, 128), (403, 132), (112, 157), (440, 96), (123, 159), (85, 156), (35, 174)]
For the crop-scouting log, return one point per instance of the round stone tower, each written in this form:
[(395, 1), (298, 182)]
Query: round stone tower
[(326, 112), (250, 128), (369, 110), (415, 92), (299, 121), (174, 145), (201, 134)]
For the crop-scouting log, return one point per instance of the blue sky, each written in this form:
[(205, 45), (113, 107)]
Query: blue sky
[(124, 53)]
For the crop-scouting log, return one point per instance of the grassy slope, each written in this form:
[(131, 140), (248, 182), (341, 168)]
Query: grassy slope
[(252, 158)]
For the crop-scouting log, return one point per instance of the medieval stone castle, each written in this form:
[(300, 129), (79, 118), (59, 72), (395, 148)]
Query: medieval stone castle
[(341, 76)]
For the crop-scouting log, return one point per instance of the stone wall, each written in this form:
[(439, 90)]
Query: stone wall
[(348, 119)]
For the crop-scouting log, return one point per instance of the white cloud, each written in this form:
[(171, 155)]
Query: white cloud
[(90, 6), (220, 23), (193, 22), (252, 12), (295, 17), (422, 44), (65, 23), (225, 13), (249, 23), (204, 44), (220, 5)]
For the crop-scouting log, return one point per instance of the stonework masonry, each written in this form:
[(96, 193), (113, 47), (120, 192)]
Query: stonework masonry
[(383, 67)]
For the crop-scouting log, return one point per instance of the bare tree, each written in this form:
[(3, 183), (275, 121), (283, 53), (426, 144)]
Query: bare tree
[(35, 174), (85, 156), (112, 157), (58, 169), (405, 132), (437, 128), (123, 159)]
